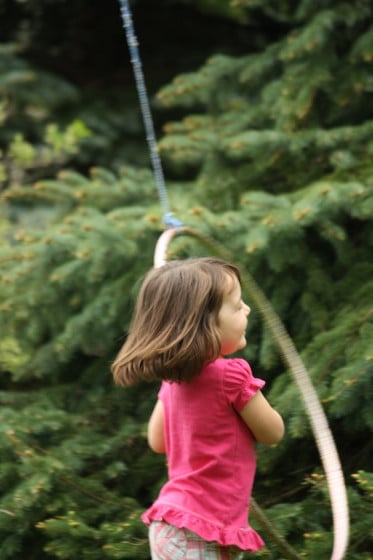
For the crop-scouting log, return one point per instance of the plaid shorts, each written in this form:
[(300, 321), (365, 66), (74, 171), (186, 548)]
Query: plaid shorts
[(171, 543)]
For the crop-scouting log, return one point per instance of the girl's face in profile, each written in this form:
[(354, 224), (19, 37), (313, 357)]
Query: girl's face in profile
[(233, 318)]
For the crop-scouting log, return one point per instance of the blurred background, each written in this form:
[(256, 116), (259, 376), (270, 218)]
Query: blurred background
[(264, 118)]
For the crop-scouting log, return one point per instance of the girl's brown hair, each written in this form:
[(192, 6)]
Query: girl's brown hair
[(174, 329)]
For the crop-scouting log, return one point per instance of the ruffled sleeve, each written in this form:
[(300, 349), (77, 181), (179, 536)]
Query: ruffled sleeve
[(239, 384)]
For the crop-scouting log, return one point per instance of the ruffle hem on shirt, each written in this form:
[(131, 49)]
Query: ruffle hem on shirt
[(243, 538)]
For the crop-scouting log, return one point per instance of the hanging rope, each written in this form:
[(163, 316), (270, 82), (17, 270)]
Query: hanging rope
[(168, 218), (319, 424)]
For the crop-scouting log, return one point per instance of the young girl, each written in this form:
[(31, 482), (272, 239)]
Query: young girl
[(210, 411)]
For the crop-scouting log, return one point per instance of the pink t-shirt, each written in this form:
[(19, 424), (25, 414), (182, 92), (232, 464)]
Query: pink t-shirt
[(211, 455)]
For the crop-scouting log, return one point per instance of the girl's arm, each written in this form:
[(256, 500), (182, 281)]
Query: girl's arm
[(156, 429), (264, 422)]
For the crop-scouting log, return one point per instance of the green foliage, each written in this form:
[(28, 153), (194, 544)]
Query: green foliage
[(30, 144), (273, 158), (102, 210), (301, 104), (64, 477), (219, 8), (46, 124)]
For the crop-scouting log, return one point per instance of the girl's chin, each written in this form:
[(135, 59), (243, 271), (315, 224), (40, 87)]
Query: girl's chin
[(232, 350)]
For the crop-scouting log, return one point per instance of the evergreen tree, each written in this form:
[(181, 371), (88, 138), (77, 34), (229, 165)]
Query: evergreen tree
[(273, 158)]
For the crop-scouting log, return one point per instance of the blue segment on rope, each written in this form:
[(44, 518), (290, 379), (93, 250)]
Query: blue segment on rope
[(132, 42), (172, 222)]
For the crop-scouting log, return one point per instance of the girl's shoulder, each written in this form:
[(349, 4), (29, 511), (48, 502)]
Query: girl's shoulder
[(231, 367)]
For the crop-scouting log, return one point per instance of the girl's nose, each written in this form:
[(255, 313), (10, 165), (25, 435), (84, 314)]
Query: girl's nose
[(247, 309)]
